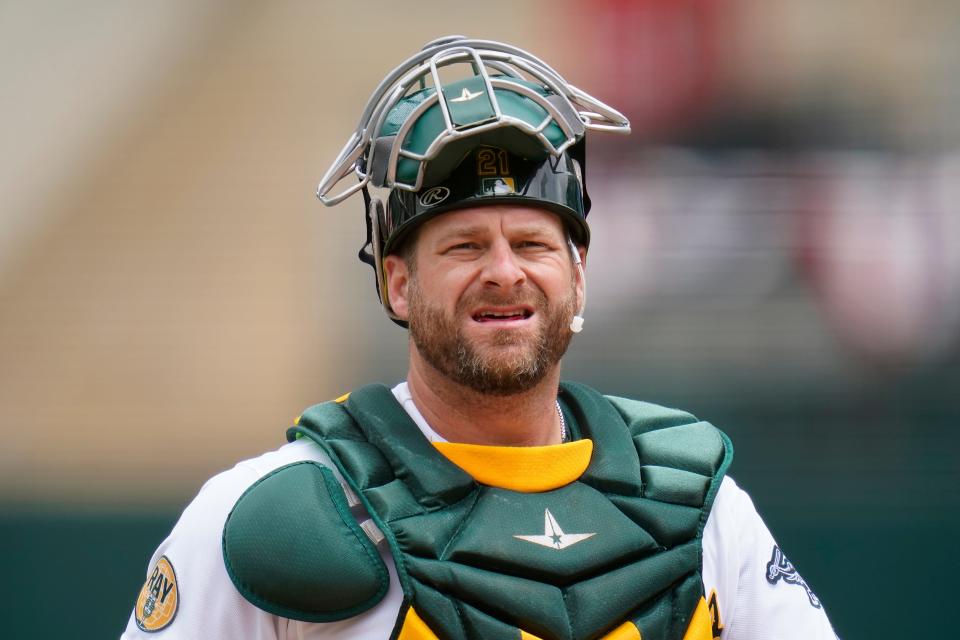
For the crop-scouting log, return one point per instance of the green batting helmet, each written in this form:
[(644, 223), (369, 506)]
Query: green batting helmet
[(511, 131)]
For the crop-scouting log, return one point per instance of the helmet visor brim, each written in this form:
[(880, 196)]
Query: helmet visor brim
[(490, 176)]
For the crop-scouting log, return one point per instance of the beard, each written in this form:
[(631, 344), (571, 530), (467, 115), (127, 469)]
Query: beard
[(512, 362)]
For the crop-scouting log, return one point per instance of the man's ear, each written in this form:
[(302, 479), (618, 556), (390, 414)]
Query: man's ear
[(396, 273)]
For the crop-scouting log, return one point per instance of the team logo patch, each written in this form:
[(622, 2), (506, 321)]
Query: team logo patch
[(159, 599), (498, 186), (779, 568), (433, 197), (553, 536)]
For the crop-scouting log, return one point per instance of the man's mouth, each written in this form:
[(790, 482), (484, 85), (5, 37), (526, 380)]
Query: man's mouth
[(502, 315)]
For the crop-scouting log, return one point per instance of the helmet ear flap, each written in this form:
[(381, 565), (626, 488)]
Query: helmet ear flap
[(376, 217)]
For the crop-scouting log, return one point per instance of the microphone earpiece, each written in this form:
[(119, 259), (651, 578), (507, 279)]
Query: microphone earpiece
[(576, 325)]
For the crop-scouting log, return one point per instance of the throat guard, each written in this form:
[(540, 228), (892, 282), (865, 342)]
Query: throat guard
[(618, 551)]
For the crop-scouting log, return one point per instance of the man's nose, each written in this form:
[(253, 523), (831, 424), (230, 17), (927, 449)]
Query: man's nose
[(502, 267)]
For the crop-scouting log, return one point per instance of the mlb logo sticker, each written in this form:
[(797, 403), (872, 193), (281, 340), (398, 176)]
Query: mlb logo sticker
[(498, 186)]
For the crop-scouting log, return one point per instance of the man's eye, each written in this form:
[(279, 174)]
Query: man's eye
[(463, 246), (531, 244)]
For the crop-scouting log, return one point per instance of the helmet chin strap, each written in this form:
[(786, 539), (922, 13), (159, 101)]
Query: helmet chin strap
[(576, 324)]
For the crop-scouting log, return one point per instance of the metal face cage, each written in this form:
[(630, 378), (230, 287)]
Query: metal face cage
[(506, 81)]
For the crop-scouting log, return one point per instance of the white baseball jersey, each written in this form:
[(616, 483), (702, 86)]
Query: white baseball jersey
[(753, 591)]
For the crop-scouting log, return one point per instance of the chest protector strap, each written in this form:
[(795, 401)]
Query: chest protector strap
[(619, 546)]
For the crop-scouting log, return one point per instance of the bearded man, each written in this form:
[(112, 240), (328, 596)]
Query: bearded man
[(482, 498)]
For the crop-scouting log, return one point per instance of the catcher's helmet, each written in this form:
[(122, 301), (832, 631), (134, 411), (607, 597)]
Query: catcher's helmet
[(512, 130)]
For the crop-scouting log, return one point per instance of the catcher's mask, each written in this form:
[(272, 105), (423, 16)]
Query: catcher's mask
[(509, 130)]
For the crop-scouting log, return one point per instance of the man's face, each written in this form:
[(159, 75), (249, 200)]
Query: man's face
[(490, 297)]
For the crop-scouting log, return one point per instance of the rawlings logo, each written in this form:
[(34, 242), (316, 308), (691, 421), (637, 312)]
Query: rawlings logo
[(433, 197), (779, 568)]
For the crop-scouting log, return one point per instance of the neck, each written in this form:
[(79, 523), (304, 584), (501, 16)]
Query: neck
[(460, 414)]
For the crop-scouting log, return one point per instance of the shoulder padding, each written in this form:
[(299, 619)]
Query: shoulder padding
[(682, 459), (670, 437), (292, 548)]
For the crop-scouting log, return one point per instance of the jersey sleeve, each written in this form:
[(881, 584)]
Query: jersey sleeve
[(188, 595), (753, 591), (188, 565)]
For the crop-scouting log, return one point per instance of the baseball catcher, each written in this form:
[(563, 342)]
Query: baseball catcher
[(482, 497)]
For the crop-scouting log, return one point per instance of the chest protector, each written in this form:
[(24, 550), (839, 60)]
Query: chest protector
[(613, 553)]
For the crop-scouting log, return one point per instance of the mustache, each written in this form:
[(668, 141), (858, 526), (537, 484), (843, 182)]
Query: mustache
[(529, 296)]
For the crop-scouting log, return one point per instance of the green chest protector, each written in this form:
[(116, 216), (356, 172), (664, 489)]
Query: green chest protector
[(620, 545)]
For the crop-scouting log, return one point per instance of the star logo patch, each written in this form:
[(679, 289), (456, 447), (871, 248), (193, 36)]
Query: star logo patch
[(466, 96), (553, 536)]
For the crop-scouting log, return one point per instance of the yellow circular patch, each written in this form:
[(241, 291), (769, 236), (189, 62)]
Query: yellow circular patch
[(159, 598)]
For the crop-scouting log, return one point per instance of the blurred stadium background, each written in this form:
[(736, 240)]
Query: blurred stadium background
[(777, 248)]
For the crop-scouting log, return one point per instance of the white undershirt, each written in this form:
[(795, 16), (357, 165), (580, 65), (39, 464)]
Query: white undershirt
[(736, 549)]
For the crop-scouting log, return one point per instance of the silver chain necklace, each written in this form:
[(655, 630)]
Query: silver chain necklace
[(563, 424)]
